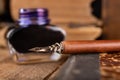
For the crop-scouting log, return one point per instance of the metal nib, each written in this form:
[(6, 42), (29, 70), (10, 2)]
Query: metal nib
[(49, 49), (40, 49)]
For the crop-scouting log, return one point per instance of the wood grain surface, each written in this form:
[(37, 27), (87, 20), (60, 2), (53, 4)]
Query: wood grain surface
[(41, 71), (11, 71)]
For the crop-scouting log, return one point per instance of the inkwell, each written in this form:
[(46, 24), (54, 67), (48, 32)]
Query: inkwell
[(33, 30)]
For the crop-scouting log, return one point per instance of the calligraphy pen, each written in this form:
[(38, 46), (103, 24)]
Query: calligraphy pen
[(54, 52), (77, 47)]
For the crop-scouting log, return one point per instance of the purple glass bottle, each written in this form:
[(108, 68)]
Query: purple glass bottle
[(33, 30)]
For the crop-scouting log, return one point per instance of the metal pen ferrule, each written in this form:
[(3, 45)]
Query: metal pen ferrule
[(38, 54)]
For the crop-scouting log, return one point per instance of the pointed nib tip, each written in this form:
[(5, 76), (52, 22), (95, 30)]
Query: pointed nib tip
[(32, 49), (40, 49)]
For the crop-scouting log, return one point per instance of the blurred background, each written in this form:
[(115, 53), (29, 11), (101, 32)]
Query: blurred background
[(81, 19), (8, 8)]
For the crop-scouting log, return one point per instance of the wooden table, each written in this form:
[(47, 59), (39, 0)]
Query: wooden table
[(109, 66), (48, 71)]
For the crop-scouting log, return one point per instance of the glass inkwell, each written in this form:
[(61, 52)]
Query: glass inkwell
[(34, 30)]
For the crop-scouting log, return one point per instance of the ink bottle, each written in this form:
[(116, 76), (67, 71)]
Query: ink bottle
[(33, 30)]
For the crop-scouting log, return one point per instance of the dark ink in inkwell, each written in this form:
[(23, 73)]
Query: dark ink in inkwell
[(34, 30)]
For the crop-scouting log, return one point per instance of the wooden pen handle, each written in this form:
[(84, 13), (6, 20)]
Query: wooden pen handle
[(71, 47)]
